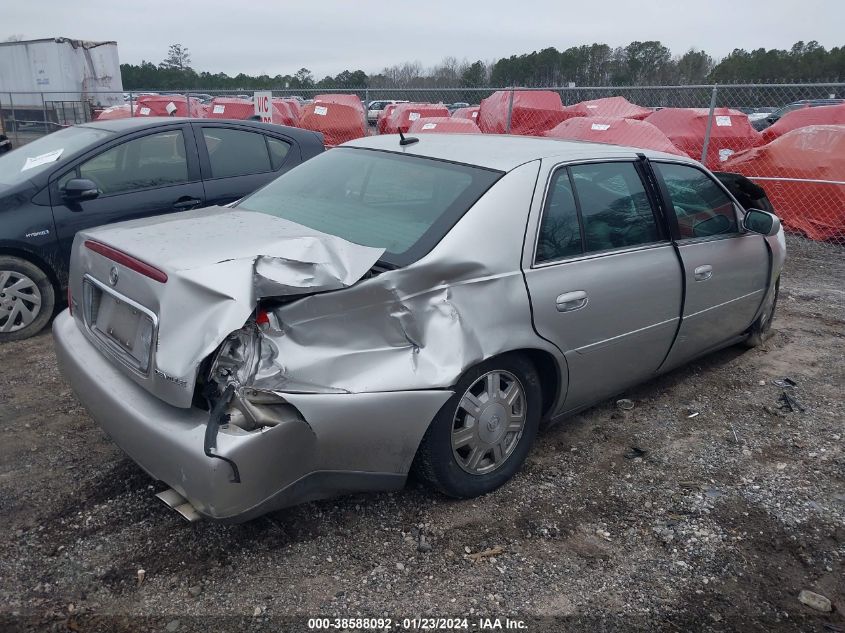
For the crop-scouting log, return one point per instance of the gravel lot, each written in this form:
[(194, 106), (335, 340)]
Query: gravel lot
[(646, 519)]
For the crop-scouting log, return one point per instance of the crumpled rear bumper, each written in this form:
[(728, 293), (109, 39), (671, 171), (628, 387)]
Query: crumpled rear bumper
[(340, 442)]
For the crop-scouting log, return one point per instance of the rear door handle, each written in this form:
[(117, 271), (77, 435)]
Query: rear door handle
[(571, 301), (186, 203), (703, 273)]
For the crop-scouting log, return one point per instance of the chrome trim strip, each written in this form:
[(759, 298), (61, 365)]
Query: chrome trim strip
[(811, 180), (745, 296), (605, 253), (599, 344)]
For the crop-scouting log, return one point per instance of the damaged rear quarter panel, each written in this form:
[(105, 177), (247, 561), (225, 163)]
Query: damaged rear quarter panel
[(422, 326), (219, 262)]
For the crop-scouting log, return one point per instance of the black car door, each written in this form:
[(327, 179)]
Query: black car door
[(237, 160), (148, 173)]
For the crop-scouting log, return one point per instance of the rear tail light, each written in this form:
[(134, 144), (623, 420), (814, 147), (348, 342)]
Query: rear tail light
[(127, 260), (69, 300)]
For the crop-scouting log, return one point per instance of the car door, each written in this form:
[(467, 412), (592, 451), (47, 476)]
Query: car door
[(604, 279), (144, 174), (726, 269), (236, 161)]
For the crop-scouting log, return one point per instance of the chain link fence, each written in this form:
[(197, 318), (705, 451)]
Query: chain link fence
[(789, 138)]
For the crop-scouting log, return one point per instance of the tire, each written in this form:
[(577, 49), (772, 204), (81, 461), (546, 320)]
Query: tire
[(761, 331), (27, 299), (489, 451)]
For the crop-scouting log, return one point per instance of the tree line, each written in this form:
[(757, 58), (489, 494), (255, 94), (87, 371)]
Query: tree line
[(638, 63)]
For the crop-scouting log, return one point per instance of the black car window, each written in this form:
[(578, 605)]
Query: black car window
[(156, 160), (701, 206), (236, 152), (615, 208), (278, 152), (43, 154), (560, 234)]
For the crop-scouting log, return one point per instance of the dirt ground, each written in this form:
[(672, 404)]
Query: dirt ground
[(648, 519)]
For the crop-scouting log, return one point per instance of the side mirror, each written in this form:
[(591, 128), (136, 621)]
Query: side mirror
[(79, 189), (761, 222)]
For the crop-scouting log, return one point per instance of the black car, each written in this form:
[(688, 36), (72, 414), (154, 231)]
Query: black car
[(109, 171), (774, 117)]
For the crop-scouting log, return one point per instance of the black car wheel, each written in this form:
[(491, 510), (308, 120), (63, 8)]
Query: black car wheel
[(482, 435), (27, 298)]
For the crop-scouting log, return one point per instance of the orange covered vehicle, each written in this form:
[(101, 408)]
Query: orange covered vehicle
[(803, 173), (820, 115), (384, 117), (531, 113), (234, 108), (404, 114), (443, 125), (118, 112), (290, 110), (230, 108), (470, 113), (610, 106), (348, 100), (336, 117), (616, 131), (169, 105), (730, 132)]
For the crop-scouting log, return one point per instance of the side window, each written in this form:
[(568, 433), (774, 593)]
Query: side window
[(278, 152), (615, 208), (560, 234), (156, 160), (236, 152), (701, 206)]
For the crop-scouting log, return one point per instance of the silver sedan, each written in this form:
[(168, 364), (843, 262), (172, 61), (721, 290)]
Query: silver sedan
[(396, 304)]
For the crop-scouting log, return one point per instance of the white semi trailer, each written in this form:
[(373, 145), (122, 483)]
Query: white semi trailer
[(59, 69)]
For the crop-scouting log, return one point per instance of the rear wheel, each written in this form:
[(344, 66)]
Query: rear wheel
[(761, 331), (27, 298), (482, 435)]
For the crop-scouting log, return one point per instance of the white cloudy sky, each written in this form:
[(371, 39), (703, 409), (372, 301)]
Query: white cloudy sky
[(328, 36)]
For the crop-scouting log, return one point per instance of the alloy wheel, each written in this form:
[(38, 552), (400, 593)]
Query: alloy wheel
[(489, 422)]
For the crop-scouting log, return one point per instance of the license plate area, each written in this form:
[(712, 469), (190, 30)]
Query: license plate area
[(123, 327)]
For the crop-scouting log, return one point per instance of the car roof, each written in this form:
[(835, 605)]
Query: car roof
[(130, 124), (501, 152), (824, 101)]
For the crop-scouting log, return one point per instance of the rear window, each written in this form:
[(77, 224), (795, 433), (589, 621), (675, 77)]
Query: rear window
[(404, 204)]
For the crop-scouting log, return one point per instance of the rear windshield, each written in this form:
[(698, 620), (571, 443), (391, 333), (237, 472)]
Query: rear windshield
[(42, 154), (403, 204)]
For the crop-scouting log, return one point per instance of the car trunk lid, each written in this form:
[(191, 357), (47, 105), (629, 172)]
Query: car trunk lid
[(160, 294)]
